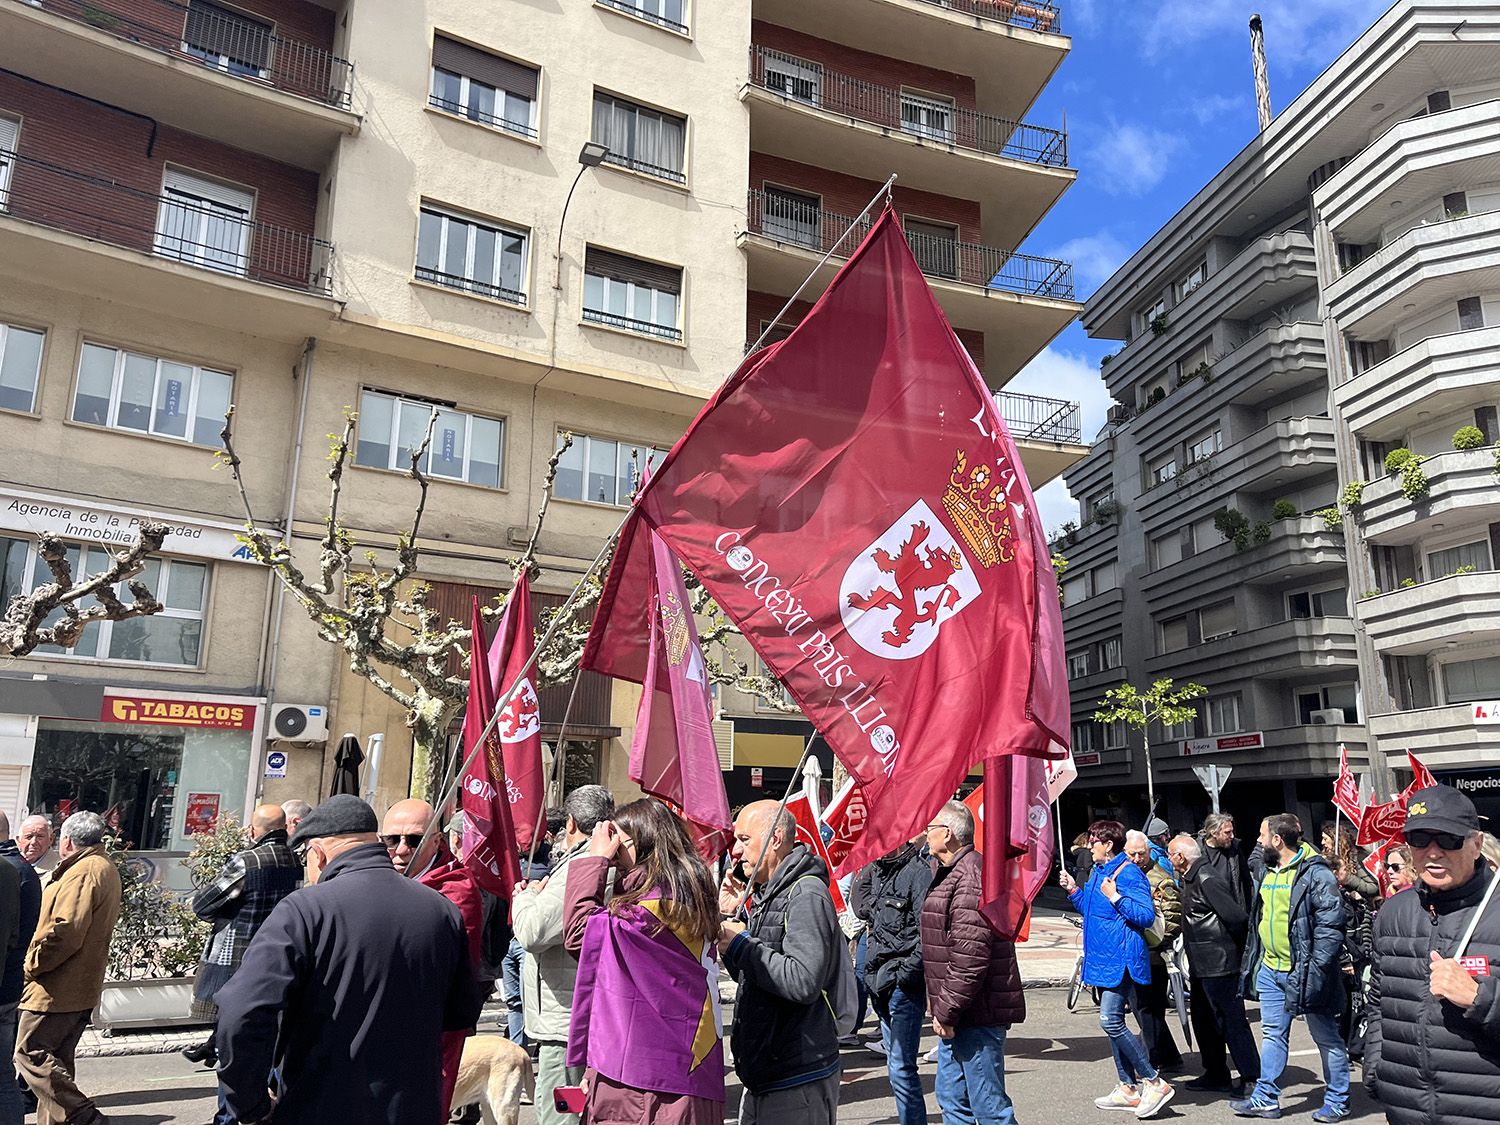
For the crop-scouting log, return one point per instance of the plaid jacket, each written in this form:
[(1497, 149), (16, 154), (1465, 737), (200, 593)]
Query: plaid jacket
[(243, 896)]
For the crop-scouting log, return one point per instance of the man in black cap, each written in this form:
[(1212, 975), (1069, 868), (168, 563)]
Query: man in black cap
[(347, 988), (1432, 1053)]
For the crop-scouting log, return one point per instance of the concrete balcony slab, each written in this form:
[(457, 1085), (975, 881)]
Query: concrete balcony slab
[(1444, 737), (1430, 616), (1286, 649), (1461, 489), (1440, 375)]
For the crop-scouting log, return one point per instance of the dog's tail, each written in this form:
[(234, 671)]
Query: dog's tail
[(528, 1079)]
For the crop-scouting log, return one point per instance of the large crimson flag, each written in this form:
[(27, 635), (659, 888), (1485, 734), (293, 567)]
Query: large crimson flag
[(489, 834), (673, 755), (520, 727), (853, 502)]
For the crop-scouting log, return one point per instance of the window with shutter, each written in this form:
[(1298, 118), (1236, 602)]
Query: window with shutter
[(205, 222), (10, 137), (638, 296), (483, 87), (793, 217), (228, 40), (1216, 621), (1174, 634), (463, 253), (934, 245), (927, 117)]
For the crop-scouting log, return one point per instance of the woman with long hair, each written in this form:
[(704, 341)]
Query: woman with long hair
[(1400, 869), (646, 1006), (1117, 908)]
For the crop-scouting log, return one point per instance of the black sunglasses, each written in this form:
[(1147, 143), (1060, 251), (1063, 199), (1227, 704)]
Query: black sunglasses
[(300, 853), (393, 841), (1449, 842)]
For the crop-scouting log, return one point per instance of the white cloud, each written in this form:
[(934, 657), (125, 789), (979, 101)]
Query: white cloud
[(1297, 31), (1130, 159), (1208, 108), (1095, 258), (1057, 373)]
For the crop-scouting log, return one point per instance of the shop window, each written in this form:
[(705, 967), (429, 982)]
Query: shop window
[(150, 395), (20, 366), (465, 447), (173, 636), (602, 470)]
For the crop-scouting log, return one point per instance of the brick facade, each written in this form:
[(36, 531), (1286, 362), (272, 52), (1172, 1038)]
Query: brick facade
[(879, 69)]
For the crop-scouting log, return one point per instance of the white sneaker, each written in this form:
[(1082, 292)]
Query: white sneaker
[(875, 1045), (931, 1056), (1155, 1094), (1121, 1097)]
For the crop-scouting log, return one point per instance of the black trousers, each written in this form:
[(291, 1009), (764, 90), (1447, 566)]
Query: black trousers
[(1156, 1032), (1219, 1021)]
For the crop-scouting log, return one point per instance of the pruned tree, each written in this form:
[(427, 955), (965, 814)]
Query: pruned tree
[(381, 619), (24, 627), (1160, 703)]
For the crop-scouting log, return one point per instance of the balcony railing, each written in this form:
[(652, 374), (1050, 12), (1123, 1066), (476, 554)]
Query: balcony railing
[(198, 233), (791, 220), (1038, 15), (207, 35), (1038, 418), (811, 84), (641, 12)]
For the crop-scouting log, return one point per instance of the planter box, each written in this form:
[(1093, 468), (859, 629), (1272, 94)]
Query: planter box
[(145, 1003)]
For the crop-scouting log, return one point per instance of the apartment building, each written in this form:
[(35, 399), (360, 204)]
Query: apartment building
[(505, 221), (1276, 341)]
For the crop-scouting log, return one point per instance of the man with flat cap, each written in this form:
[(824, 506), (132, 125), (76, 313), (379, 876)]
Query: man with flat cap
[(347, 988), (1432, 1052)]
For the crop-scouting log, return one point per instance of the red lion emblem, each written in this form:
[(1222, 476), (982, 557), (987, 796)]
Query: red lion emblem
[(519, 714), (913, 574)]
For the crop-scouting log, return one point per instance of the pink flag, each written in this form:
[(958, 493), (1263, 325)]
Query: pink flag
[(489, 835), (520, 727), (1019, 840), (673, 755)]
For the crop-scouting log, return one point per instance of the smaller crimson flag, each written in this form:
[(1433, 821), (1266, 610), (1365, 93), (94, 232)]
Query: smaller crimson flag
[(1346, 789), (845, 817), (1382, 822), (1421, 778), (489, 834), (810, 832), (520, 727), (1019, 842)]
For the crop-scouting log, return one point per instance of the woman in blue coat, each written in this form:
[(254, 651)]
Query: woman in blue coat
[(1117, 908)]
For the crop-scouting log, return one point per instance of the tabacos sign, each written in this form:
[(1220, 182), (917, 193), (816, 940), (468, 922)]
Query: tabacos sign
[(177, 712)]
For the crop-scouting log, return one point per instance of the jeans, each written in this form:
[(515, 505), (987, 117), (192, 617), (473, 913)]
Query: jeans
[(971, 1078), (1151, 1013), (901, 1031), (1276, 1031), (515, 1020), (1131, 1061), (552, 1071), (10, 1094)]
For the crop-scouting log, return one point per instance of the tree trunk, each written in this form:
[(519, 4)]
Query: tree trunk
[(428, 722)]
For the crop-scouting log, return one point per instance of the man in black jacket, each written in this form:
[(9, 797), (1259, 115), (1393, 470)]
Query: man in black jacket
[(786, 1044), (1432, 1052), (347, 988), (1213, 927), (20, 907), (1222, 852), (887, 895)]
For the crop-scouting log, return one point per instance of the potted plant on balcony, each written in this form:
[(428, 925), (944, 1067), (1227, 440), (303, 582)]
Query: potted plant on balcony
[(1409, 465), (1468, 437), (1284, 510), (1159, 324)]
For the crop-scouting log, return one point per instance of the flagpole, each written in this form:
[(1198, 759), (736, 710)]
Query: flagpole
[(765, 843), (559, 752), (885, 190)]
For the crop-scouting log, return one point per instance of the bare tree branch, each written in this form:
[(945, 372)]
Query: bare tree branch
[(526, 564)]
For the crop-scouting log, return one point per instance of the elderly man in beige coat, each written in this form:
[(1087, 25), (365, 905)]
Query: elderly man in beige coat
[(65, 970)]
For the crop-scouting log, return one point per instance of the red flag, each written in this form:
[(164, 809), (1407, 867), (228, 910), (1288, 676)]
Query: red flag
[(1019, 840), (854, 504), (1421, 777), (1382, 822), (673, 755), (845, 817), (489, 835), (520, 728), (809, 832), (1375, 865), (1346, 789)]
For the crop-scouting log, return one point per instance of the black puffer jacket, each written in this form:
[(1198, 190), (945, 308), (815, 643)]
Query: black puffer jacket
[(888, 896), (1213, 922), (1427, 1060), (1316, 932)]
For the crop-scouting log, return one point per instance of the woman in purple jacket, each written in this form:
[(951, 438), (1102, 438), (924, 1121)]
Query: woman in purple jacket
[(1117, 907), (646, 1020)]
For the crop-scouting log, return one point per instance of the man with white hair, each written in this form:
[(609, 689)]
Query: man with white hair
[(65, 970), (34, 841), (1151, 999), (1213, 924), (295, 810)]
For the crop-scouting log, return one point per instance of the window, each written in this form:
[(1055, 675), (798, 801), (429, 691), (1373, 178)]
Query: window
[(934, 245), (1476, 555), (1455, 204), (1116, 735), (641, 139), (1174, 634), (465, 447), (1190, 364), (781, 695), (603, 470), (1161, 469), (1468, 680), (172, 636), (1167, 549), (1340, 697), (204, 222), (1302, 605), (1203, 535), (793, 217), (130, 391), (1103, 578), (929, 117), (1083, 738), (1485, 419), (1190, 280), (667, 13), (1073, 590), (793, 78), (1092, 506), (471, 256), (1221, 714), (632, 294), (10, 137), (1470, 314), (1204, 445), (1178, 732), (1216, 621), (227, 40), (1151, 312), (483, 87), (1110, 653), (20, 367), (1078, 665)]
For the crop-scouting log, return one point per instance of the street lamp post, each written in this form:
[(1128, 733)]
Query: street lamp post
[(591, 155)]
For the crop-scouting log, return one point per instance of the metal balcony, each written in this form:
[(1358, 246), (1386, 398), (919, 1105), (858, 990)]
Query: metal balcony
[(245, 48), (1035, 15), (811, 84), (178, 228), (788, 220), (1038, 418)]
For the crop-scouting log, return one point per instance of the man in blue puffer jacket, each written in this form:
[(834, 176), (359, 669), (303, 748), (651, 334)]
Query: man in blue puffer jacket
[(1116, 905)]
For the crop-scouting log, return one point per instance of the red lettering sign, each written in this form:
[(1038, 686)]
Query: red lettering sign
[(201, 814)]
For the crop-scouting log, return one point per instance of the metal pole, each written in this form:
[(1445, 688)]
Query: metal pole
[(1150, 776), (765, 844)]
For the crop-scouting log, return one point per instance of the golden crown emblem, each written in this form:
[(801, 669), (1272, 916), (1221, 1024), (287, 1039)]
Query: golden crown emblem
[(981, 516)]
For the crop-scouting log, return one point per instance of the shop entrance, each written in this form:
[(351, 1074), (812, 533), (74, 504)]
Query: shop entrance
[(128, 777)]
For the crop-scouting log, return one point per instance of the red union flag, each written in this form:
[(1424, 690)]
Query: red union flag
[(520, 727), (1346, 789), (1421, 778), (810, 832), (489, 834), (845, 817), (1381, 822), (854, 504)]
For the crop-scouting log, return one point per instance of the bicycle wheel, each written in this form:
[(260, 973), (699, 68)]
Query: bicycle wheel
[(1075, 986)]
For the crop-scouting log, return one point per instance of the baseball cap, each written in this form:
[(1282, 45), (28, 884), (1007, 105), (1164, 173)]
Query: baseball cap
[(341, 815), (1440, 808)]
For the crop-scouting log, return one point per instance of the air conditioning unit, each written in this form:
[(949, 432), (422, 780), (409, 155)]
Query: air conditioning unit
[(299, 722), (1328, 715), (1119, 412), (724, 740)]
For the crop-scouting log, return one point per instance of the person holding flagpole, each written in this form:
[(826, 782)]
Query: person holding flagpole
[(645, 1006)]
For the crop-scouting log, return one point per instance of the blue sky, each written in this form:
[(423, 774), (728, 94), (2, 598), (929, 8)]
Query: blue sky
[(1158, 98)]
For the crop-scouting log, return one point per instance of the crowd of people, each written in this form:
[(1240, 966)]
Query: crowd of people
[(350, 956)]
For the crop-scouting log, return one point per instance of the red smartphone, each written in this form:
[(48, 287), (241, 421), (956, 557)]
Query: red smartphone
[(568, 1099)]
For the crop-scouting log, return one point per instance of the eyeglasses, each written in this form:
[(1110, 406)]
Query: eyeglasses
[(1418, 838), (393, 841), (1395, 867)]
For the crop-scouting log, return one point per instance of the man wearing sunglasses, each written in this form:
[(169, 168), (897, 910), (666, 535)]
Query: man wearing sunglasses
[(1432, 1052)]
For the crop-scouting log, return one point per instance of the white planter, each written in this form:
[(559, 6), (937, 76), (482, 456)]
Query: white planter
[(145, 1003)]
